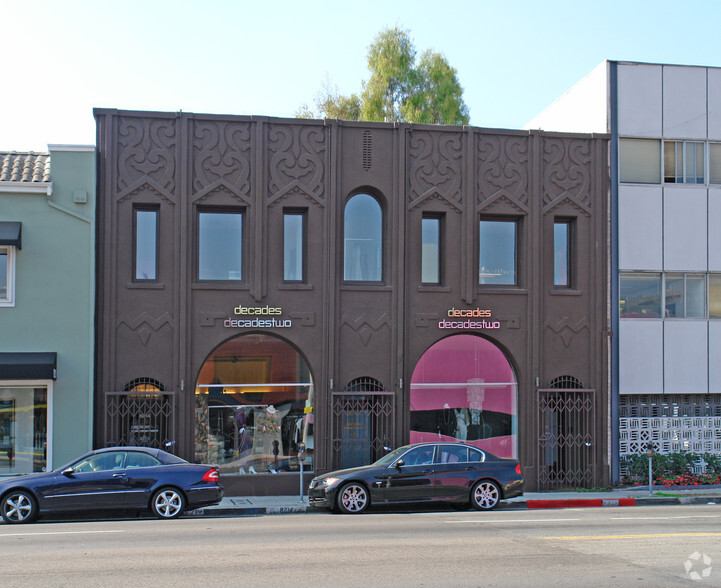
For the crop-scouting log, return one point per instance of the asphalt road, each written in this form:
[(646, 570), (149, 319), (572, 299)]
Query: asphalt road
[(651, 546)]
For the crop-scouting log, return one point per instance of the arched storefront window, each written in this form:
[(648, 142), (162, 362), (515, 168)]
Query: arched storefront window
[(464, 389), (363, 240), (254, 398)]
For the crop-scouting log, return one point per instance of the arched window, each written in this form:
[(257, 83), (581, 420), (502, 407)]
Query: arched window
[(363, 240), (464, 389), (566, 383), (144, 385)]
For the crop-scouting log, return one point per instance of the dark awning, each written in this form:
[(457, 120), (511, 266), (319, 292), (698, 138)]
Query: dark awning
[(11, 233), (28, 366)]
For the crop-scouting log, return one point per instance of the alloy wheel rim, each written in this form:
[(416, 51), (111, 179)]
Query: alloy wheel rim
[(167, 503), (18, 507), (354, 498), (486, 495)]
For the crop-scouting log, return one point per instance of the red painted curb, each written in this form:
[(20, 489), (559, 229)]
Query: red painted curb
[(581, 502)]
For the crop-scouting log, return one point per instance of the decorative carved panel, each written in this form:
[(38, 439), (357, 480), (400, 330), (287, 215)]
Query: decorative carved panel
[(567, 174), (435, 168), (502, 176), (567, 328), (364, 325), (296, 162), (145, 325), (221, 158), (146, 155)]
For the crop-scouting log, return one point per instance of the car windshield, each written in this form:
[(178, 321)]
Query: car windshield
[(389, 458)]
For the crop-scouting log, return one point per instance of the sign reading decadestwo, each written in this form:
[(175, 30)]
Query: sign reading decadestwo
[(468, 319), (254, 317)]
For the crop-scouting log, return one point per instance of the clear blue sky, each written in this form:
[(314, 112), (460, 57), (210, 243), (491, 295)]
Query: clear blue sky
[(62, 58)]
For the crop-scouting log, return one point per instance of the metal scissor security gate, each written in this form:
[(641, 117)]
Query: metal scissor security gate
[(137, 418), (362, 427), (566, 439)]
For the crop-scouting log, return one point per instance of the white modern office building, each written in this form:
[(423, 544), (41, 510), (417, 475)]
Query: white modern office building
[(665, 162)]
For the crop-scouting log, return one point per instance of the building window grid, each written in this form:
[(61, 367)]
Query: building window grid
[(681, 162), (708, 306)]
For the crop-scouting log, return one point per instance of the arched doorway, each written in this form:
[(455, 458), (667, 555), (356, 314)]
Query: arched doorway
[(464, 389), (254, 399)]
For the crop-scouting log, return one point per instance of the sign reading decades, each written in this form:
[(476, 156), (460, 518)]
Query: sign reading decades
[(257, 317), (472, 318)]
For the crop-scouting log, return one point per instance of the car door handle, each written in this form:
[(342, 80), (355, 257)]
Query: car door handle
[(119, 475)]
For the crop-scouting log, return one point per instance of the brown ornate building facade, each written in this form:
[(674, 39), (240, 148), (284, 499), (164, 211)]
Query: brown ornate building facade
[(266, 283)]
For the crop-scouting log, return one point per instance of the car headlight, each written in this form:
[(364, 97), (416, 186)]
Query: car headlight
[(326, 482)]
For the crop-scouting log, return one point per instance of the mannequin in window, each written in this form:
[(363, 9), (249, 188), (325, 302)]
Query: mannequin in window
[(462, 421)]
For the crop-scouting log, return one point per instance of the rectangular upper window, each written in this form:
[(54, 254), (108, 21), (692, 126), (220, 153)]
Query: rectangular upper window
[(294, 222), (7, 275), (683, 162), (220, 245), (714, 296), (431, 249), (684, 295), (670, 295), (639, 161), (640, 295), (497, 252), (146, 244), (562, 252), (714, 163)]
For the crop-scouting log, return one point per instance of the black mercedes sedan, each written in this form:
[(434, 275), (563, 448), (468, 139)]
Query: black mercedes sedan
[(424, 472), (114, 478)]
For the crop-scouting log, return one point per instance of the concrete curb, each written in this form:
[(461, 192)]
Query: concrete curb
[(226, 510)]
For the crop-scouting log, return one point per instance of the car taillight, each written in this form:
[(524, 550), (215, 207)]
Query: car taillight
[(518, 469), (211, 475)]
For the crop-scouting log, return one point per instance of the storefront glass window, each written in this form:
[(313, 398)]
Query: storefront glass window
[(23, 429), (254, 407), (464, 389)]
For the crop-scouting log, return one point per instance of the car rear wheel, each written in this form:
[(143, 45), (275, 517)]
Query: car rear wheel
[(19, 506), (485, 495), (353, 498), (168, 503)]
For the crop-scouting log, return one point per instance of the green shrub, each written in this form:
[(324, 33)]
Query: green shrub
[(667, 465)]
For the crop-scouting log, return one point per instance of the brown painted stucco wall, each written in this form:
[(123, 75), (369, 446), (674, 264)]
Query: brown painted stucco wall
[(183, 161)]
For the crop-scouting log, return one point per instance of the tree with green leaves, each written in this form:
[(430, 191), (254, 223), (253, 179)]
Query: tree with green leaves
[(398, 88)]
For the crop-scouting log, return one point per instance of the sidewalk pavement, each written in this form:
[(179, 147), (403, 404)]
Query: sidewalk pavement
[(640, 496)]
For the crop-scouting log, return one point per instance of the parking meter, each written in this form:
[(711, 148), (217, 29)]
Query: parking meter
[(301, 458)]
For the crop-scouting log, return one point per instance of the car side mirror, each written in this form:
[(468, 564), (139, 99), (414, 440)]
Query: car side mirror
[(68, 472), (400, 463)]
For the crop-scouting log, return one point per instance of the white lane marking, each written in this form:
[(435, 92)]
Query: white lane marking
[(517, 521), (59, 533), (664, 518)]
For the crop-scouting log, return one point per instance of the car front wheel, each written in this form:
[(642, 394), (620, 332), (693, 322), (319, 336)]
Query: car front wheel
[(168, 503), (485, 495), (353, 498), (19, 506)]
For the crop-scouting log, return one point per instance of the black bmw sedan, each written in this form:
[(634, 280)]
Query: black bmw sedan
[(425, 472), (114, 478)]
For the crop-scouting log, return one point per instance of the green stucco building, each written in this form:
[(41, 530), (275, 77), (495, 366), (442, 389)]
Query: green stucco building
[(47, 269)]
